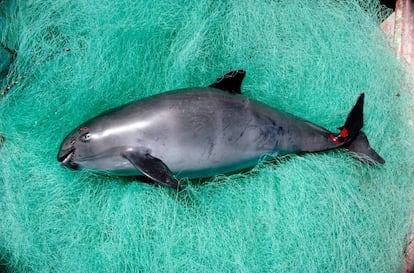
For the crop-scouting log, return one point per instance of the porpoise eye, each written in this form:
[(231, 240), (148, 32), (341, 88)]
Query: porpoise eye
[(85, 137)]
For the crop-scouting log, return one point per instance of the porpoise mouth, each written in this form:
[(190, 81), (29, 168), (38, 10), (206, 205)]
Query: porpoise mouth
[(65, 157)]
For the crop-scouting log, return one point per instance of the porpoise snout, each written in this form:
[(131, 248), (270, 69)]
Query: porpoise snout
[(65, 154)]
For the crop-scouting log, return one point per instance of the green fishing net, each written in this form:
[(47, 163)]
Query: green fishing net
[(65, 61)]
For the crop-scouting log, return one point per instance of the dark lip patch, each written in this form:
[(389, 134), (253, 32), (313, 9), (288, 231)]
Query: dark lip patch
[(65, 155), (67, 162), (67, 159)]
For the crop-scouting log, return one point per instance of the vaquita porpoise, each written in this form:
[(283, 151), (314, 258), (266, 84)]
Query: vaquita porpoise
[(201, 132)]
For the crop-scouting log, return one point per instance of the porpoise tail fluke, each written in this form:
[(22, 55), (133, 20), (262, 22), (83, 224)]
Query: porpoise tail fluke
[(353, 139)]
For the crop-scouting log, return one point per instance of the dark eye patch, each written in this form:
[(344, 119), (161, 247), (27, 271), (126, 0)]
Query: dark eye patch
[(85, 137)]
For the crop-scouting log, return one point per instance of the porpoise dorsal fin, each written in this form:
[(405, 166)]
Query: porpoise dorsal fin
[(230, 82), (152, 167)]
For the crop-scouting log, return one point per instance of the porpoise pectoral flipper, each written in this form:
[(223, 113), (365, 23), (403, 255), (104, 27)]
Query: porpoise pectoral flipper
[(152, 167)]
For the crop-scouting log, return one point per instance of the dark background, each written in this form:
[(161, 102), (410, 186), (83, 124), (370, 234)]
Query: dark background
[(389, 3)]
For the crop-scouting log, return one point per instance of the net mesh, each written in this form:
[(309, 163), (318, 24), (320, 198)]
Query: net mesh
[(321, 212)]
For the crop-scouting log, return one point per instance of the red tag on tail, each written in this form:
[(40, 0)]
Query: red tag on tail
[(343, 133), (341, 136)]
